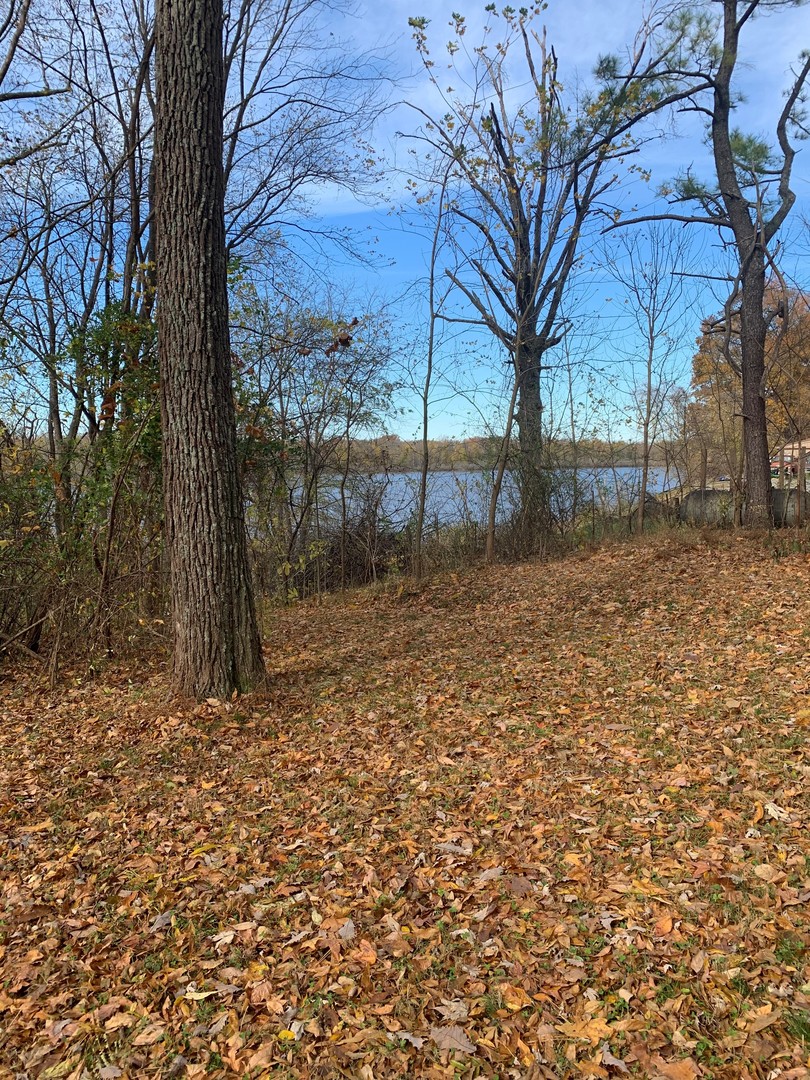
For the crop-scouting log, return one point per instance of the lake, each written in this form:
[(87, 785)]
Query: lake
[(462, 496)]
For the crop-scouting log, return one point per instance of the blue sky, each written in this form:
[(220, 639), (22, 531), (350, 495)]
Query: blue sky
[(580, 31)]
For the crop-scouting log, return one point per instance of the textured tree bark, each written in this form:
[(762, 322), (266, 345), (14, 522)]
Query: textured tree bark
[(216, 640), (533, 481), (753, 331), (750, 241)]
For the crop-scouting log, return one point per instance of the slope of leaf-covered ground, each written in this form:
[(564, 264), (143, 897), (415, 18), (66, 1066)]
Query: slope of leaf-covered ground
[(541, 821)]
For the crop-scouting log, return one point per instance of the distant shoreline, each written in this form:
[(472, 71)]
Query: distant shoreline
[(471, 467)]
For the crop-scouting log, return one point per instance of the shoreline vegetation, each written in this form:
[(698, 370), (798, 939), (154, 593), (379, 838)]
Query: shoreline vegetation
[(391, 453)]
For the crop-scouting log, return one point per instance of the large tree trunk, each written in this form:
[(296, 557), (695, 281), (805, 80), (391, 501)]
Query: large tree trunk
[(749, 240), (753, 331), (533, 481), (216, 640)]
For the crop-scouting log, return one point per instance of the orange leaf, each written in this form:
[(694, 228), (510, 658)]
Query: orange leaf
[(663, 926), (685, 1069)]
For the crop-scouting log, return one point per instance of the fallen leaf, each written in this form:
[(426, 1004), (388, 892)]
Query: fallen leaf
[(514, 997), (765, 872), (41, 826), (452, 1010), (119, 1020), (663, 926), (766, 1017), (452, 1038), (347, 931), (414, 1040), (161, 922), (520, 886), (698, 962), (610, 1059), (684, 1069), (263, 1056), (365, 953), (588, 1030), (150, 1035)]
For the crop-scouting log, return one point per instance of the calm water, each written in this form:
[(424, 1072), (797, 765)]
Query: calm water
[(463, 496)]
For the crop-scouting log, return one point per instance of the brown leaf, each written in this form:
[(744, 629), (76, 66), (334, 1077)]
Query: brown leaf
[(119, 1020), (589, 1030), (685, 1069), (414, 1040), (347, 931), (612, 1060), (766, 872), (663, 926), (262, 993), (698, 961), (514, 997), (520, 886), (766, 1016), (452, 1010), (452, 1038), (263, 1056), (365, 954), (150, 1035)]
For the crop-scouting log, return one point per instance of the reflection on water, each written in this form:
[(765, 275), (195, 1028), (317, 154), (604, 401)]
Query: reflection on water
[(463, 496)]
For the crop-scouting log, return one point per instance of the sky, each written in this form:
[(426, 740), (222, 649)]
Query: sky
[(580, 30)]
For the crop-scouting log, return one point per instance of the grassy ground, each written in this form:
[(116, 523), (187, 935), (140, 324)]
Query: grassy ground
[(530, 822)]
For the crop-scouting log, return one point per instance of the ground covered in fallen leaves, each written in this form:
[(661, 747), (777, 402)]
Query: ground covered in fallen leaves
[(536, 821)]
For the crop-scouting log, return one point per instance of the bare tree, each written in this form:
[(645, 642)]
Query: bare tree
[(749, 204), (30, 70), (527, 180), (300, 105), (436, 301), (651, 269), (312, 378)]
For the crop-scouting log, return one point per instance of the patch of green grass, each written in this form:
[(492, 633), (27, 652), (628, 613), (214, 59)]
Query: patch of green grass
[(666, 989), (798, 1024), (206, 1009), (789, 950), (617, 1010), (706, 1054), (493, 1003)]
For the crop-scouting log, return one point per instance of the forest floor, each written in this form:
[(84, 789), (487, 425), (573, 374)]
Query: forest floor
[(537, 821)]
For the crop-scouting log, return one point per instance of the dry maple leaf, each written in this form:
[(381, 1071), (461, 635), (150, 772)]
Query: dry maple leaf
[(514, 998), (452, 1038), (347, 931), (684, 1069), (452, 1010), (149, 1035)]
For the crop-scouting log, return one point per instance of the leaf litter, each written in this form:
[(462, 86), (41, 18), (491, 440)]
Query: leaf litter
[(511, 823)]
